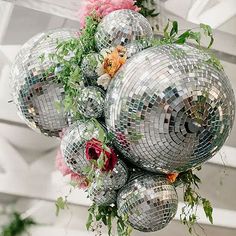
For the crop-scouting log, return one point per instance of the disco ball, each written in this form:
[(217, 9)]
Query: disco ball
[(149, 201), (101, 196), (73, 144), (34, 92), (90, 65), (169, 108), (122, 27), (91, 102), (114, 179)]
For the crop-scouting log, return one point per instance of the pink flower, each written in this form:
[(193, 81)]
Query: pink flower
[(60, 164), (80, 180), (104, 7)]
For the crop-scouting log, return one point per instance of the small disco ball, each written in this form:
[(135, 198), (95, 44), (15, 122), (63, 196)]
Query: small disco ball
[(114, 179), (149, 201), (91, 65), (122, 27), (34, 92), (101, 196), (91, 102), (73, 144), (169, 108)]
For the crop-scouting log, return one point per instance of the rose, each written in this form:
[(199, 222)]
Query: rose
[(114, 60), (94, 150)]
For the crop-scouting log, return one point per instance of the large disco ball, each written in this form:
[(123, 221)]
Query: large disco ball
[(74, 142), (34, 92), (122, 27), (169, 108), (149, 201)]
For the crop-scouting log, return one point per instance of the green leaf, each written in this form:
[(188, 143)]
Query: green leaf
[(208, 32), (174, 29), (166, 34), (42, 57), (101, 132), (100, 161), (182, 38), (195, 36), (207, 209), (61, 204), (109, 224), (89, 221)]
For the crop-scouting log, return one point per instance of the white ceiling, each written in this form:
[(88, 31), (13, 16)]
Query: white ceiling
[(27, 158)]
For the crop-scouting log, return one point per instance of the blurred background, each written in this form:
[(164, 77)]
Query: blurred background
[(29, 182)]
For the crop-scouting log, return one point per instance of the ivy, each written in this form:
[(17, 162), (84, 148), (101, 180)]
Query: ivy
[(171, 36), (17, 225), (67, 59), (145, 11), (106, 215), (192, 200)]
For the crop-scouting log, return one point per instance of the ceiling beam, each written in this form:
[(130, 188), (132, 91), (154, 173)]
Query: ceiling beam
[(10, 159), (66, 9), (40, 186), (214, 16), (6, 9)]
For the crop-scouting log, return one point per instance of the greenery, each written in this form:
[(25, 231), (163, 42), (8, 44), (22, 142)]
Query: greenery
[(68, 58), (145, 11), (106, 215), (192, 200), (17, 225), (171, 36)]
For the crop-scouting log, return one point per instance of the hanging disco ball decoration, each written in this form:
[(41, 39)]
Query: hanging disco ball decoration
[(169, 108), (114, 179), (149, 201), (74, 142), (101, 196), (122, 27), (91, 64), (34, 92), (91, 102)]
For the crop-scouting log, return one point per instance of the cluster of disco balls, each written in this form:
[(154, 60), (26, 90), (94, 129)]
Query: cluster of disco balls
[(168, 108)]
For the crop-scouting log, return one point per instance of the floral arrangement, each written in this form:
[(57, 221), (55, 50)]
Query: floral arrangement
[(126, 93), (101, 151)]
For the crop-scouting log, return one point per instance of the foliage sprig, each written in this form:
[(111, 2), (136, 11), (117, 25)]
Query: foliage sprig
[(146, 11), (17, 225), (68, 57), (171, 36), (106, 215), (192, 199)]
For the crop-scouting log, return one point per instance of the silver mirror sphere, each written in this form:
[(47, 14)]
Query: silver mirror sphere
[(73, 144), (169, 108), (91, 102), (34, 91), (149, 201), (122, 27)]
